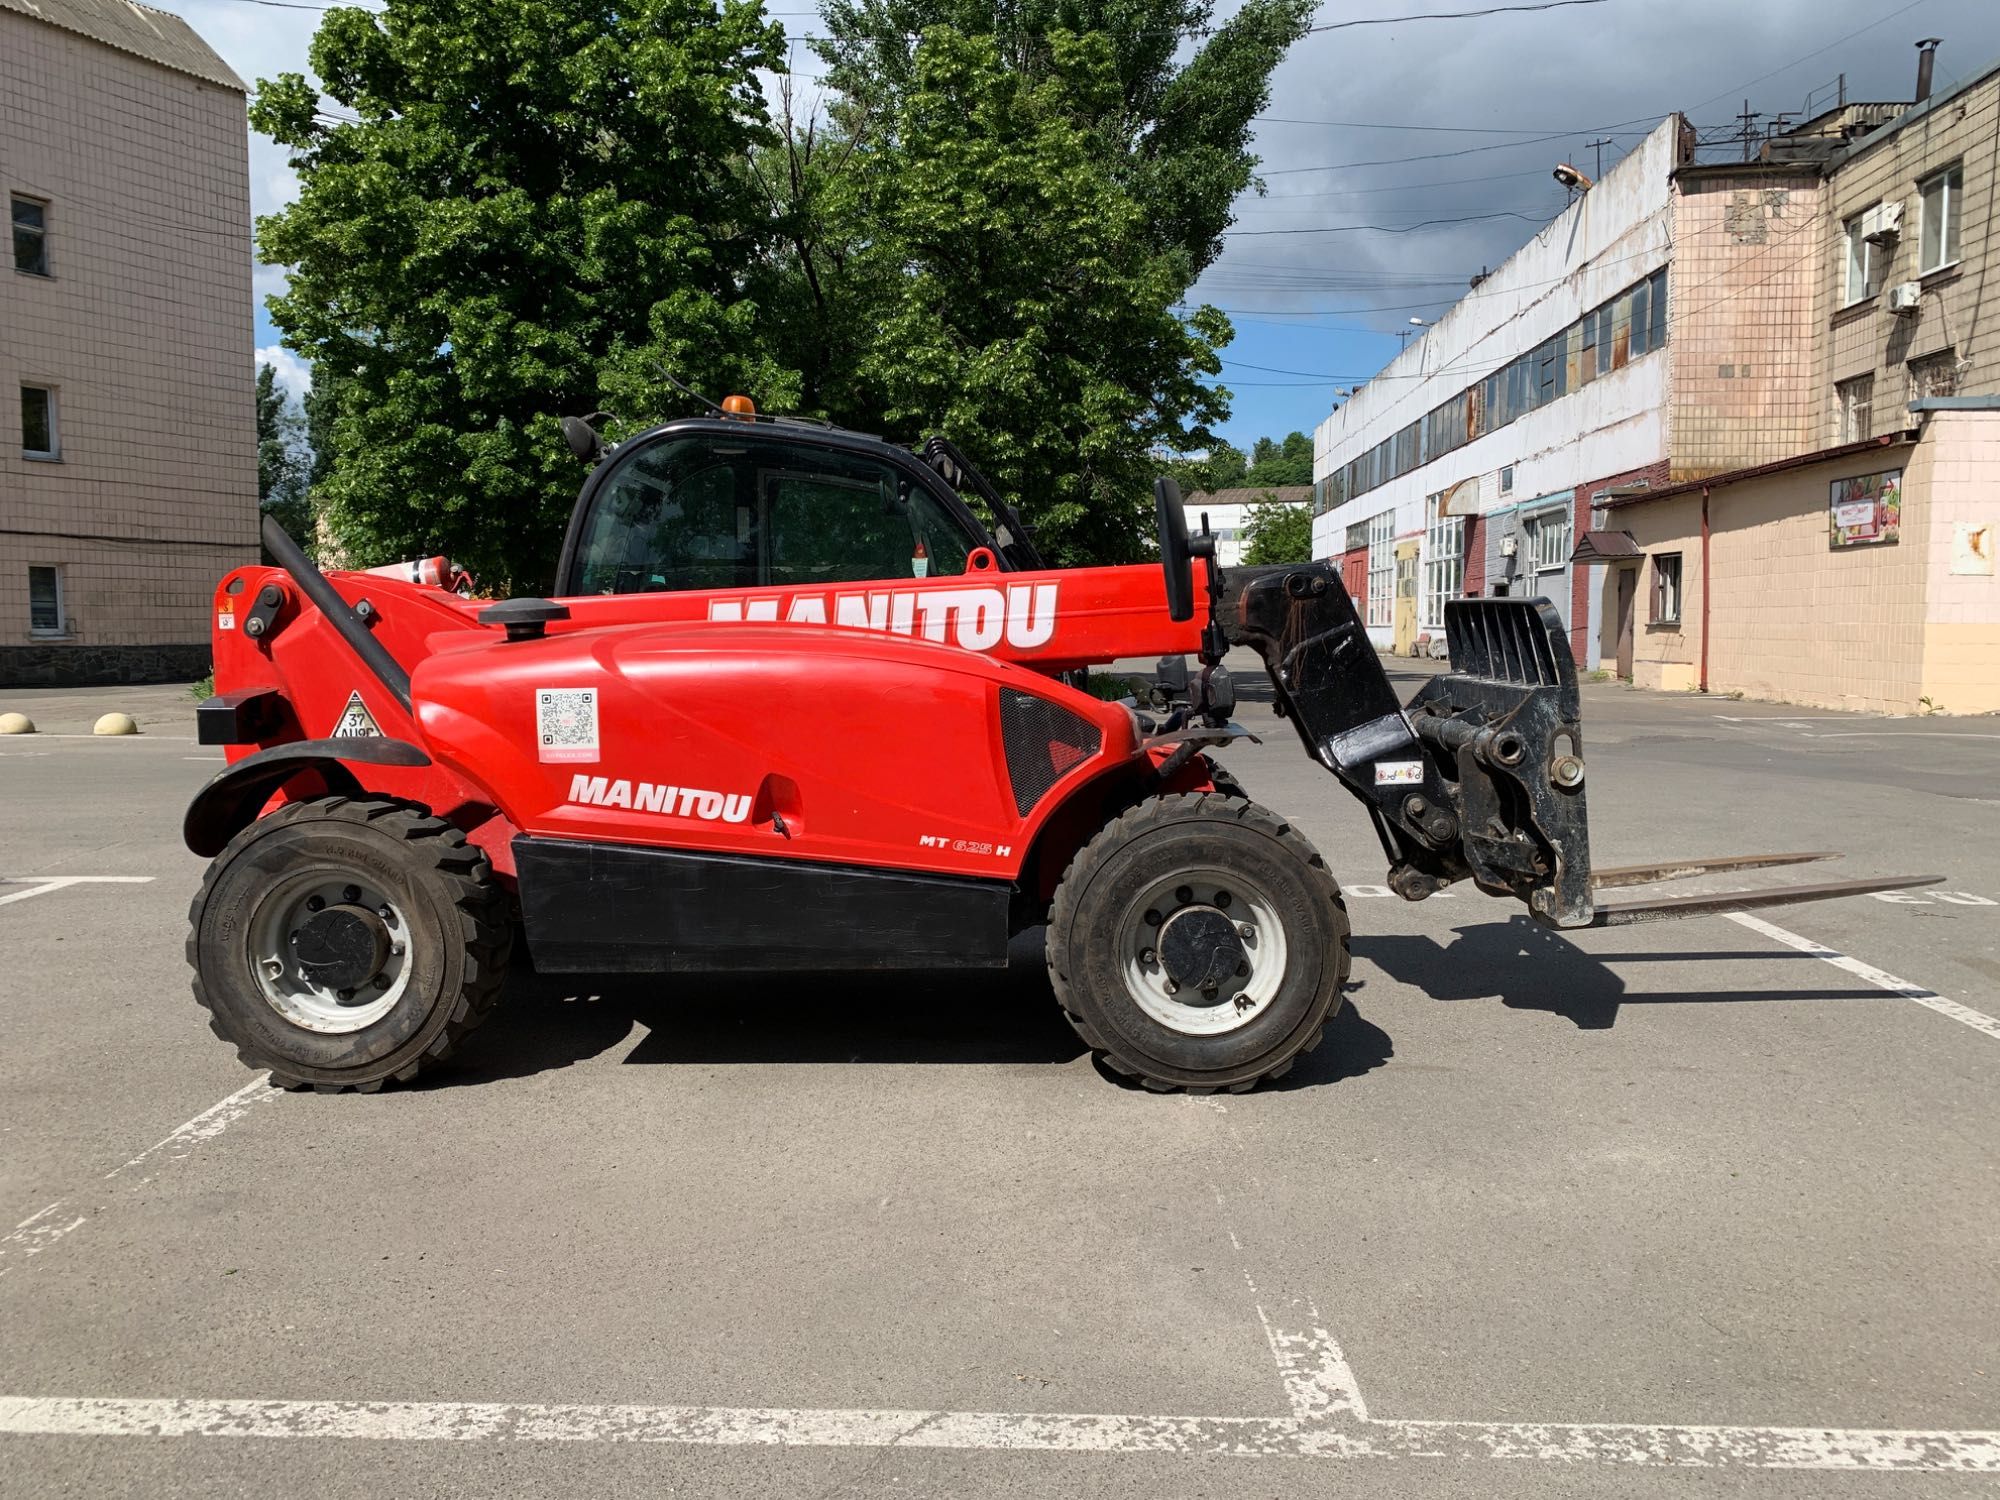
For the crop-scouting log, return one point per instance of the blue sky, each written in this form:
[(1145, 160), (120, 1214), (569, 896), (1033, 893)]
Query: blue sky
[(1398, 160)]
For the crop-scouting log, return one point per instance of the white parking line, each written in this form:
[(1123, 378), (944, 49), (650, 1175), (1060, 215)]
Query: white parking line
[(41, 885), (39, 1231), (1965, 1015), (1332, 1436)]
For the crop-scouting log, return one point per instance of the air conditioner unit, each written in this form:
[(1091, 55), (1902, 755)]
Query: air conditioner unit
[(1882, 222), (1904, 296)]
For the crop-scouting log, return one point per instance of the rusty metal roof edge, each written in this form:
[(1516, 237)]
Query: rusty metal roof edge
[(1758, 471)]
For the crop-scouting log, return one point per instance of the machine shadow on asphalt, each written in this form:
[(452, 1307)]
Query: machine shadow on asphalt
[(1527, 967), (551, 1021)]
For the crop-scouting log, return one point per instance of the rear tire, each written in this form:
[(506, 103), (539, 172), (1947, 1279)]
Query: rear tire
[(406, 954), (1198, 942)]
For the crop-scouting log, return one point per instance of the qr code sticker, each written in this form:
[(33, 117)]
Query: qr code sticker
[(566, 723)]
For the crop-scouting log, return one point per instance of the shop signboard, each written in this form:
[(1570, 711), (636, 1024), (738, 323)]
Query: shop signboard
[(1866, 509)]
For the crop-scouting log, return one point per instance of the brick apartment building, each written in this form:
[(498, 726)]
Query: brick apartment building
[(128, 448)]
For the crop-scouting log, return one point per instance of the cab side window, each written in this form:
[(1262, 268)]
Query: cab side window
[(707, 513), (836, 518)]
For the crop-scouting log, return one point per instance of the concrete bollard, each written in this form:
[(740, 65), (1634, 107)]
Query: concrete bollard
[(115, 724), (16, 724)]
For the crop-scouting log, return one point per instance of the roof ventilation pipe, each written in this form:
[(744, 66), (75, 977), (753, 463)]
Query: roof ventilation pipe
[(1926, 58)]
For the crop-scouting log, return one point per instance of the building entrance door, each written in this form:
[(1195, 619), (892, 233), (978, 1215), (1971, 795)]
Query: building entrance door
[(1406, 598), (1628, 596)]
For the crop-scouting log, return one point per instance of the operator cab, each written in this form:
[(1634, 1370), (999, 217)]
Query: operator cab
[(732, 502)]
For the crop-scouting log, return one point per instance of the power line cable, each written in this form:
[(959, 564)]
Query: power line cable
[(1450, 15)]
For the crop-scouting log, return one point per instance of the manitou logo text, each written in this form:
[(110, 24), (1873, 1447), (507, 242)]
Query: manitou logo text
[(1022, 614), (650, 797)]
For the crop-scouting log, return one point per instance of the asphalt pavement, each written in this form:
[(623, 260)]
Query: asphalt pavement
[(1702, 1208)]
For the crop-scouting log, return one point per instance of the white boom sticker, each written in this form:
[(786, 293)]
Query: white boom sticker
[(566, 724), (356, 723), (1399, 772)]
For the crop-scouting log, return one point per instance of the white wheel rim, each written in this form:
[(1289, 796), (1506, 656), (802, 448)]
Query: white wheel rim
[(1239, 1000), (294, 994)]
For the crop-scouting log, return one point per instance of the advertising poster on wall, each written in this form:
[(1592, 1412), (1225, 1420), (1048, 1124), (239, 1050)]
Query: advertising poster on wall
[(1866, 510)]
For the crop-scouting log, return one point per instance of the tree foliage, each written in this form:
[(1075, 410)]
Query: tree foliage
[(538, 203), (538, 207), (283, 464), (1278, 533), (1275, 463), (993, 234)]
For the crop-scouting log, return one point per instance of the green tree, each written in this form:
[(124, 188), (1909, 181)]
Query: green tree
[(1226, 466), (1274, 463), (992, 236), (520, 210), (1278, 533), (282, 463)]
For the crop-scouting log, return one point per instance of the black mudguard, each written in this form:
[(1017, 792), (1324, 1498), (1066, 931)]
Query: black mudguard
[(231, 800)]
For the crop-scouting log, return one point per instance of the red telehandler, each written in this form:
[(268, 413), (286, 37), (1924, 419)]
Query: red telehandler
[(797, 707)]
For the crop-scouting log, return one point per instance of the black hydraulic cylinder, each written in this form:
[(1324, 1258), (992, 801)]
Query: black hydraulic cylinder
[(305, 572)]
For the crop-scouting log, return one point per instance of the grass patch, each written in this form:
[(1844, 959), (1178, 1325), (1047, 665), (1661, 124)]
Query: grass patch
[(1111, 686), (203, 690)]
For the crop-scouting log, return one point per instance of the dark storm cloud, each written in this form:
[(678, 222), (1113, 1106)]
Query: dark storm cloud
[(1580, 74)]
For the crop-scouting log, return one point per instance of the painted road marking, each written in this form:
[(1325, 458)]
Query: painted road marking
[(1329, 1435), (1965, 1015), (41, 885), (62, 1218)]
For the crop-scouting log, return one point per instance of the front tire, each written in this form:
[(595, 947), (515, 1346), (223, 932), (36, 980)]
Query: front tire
[(340, 943), (1198, 942)]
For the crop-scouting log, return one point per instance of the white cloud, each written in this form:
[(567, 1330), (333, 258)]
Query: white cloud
[(294, 374)]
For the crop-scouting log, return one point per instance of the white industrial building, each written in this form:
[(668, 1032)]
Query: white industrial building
[(1467, 465)]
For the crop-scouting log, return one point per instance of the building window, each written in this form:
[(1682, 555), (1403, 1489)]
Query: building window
[(1507, 479), (1855, 401), (1666, 588), (1862, 271), (1934, 375), (45, 602), (1357, 536), (1940, 195), (1444, 562), (39, 438), (31, 236), (1548, 538), (1382, 568)]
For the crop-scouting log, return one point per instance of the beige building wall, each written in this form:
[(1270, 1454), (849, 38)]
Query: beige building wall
[(1959, 312), (143, 330), (1793, 619), (1961, 631), (1748, 242)]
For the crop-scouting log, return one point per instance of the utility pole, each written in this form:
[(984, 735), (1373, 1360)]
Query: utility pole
[(1597, 174), (1749, 132)]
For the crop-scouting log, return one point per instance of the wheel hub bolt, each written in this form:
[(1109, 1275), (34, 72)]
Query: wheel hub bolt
[(1173, 985), (315, 903), (1222, 898), (387, 914), (1148, 956), (1244, 929), (1242, 970), (1152, 919), (350, 894), (345, 996), (1183, 895), (1210, 989)]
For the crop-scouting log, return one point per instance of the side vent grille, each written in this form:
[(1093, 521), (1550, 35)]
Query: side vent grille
[(1043, 741), (1508, 640)]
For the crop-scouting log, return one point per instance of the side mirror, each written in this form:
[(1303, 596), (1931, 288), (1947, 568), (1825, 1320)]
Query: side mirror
[(582, 437)]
